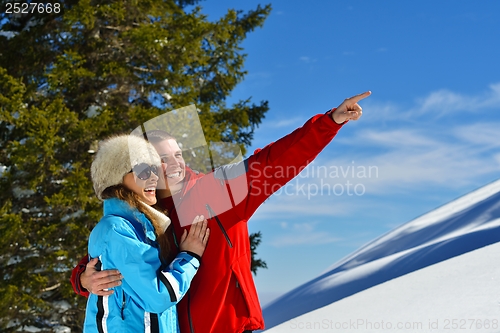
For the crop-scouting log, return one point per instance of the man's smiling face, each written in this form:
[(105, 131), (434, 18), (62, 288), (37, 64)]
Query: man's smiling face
[(173, 165)]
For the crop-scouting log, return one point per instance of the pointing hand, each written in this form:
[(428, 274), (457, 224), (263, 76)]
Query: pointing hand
[(349, 109)]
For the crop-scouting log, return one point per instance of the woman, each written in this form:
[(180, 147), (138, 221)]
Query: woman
[(131, 237)]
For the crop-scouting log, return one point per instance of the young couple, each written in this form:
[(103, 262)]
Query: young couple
[(141, 279)]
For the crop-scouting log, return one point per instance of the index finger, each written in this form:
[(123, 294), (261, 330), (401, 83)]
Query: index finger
[(359, 97)]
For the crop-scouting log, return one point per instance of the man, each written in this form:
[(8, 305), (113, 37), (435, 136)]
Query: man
[(223, 297)]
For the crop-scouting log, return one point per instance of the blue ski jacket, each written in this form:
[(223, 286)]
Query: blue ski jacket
[(146, 300)]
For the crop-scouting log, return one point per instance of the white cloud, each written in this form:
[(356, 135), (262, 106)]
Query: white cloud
[(307, 59), (412, 149), (396, 138), (444, 101), (296, 203), (415, 161), (287, 122), (396, 152), (482, 135), (302, 234), (304, 227), (383, 113), (434, 105)]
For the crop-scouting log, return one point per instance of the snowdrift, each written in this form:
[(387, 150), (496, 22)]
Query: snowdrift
[(463, 225), (457, 295)]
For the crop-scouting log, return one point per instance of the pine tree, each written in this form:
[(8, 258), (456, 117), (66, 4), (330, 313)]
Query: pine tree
[(255, 240), (74, 76)]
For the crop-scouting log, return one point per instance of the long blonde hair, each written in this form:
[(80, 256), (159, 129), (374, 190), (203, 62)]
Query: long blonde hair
[(121, 192)]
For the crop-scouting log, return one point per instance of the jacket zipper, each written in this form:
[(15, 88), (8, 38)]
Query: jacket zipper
[(123, 305), (212, 214)]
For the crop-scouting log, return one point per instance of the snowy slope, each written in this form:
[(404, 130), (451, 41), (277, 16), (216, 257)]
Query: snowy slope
[(461, 294), (463, 225)]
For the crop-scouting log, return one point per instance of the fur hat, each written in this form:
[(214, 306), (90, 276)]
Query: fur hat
[(115, 158)]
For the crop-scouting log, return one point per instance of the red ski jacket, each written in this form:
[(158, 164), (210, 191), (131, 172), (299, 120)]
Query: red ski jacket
[(222, 296)]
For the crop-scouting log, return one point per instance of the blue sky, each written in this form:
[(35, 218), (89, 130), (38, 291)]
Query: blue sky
[(430, 132)]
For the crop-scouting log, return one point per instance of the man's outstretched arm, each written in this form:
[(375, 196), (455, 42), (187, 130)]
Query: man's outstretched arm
[(86, 279), (273, 166)]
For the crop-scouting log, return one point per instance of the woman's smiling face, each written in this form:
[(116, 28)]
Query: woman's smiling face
[(146, 189)]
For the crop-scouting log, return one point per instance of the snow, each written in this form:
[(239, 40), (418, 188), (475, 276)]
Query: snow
[(31, 329), (436, 267), (92, 111), (459, 294), (62, 329), (8, 34)]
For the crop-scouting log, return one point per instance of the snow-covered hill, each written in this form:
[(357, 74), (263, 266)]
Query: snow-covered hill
[(463, 225), (461, 294)]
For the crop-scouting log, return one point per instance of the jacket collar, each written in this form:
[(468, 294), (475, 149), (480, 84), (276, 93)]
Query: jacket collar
[(117, 207), (190, 179)]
